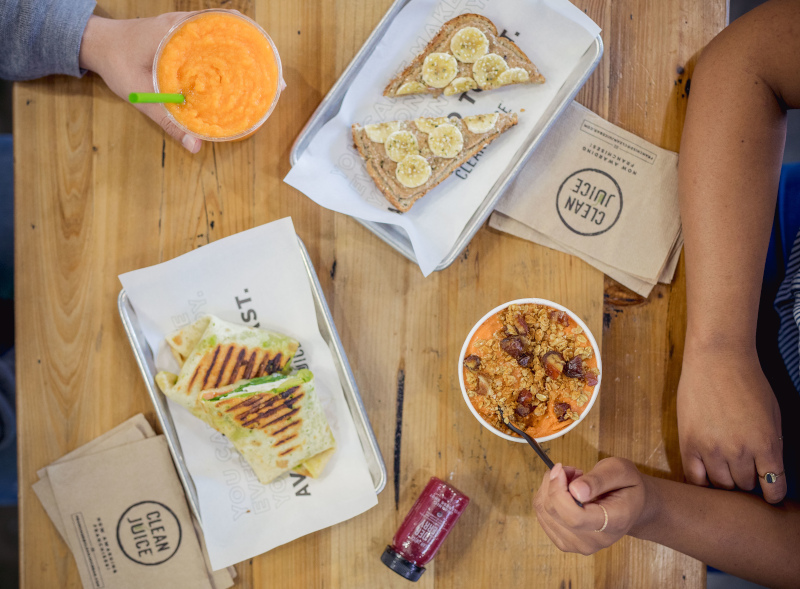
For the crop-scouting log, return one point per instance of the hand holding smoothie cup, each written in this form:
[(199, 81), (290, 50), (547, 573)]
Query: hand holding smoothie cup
[(228, 70), (125, 54)]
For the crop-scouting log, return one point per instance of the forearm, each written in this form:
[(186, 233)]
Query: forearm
[(729, 170), (95, 45), (735, 532)]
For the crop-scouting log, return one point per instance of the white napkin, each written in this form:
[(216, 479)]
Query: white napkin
[(553, 33), (253, 277)]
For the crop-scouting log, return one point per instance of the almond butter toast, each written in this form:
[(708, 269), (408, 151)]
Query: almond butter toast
[(466, 54), (406, 159)]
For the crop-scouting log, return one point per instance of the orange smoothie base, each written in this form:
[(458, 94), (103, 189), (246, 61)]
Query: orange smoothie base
[(536, 426), (226, 70)]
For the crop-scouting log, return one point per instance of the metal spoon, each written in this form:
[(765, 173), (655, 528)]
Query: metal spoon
[(533, 444)]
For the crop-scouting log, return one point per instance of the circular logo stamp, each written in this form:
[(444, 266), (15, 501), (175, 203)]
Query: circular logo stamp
[(589, 202), (149, 533)]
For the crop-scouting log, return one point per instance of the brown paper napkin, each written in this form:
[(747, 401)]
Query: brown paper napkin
[(124, 438), (602, 193), (637, 284)]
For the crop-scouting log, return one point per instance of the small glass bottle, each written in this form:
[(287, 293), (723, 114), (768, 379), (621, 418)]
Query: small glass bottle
[(424, 529)]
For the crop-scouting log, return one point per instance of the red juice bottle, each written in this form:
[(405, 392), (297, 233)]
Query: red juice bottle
[(426, 526)]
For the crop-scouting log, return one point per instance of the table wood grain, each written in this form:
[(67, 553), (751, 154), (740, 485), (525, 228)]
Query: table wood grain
[(100, 191)]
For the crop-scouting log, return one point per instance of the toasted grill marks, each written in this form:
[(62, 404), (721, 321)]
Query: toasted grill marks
[(229, 363), (284, 428), (275, 415), (237, 365), (285, 452), (262, 367), (222, 367), (201, 365), (283, 417), (284, 440), (248, 371)]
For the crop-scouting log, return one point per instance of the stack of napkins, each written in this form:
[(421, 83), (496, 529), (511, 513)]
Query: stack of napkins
[(600, 193), (120, 508)]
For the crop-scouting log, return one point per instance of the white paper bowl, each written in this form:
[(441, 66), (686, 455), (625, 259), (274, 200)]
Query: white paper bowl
[(572, 316)]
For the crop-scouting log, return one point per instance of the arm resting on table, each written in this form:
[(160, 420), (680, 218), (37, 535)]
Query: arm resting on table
[(735, 532), (730, 161)]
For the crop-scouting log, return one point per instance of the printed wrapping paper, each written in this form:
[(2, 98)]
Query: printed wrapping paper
[(553, 33), (242, 518)]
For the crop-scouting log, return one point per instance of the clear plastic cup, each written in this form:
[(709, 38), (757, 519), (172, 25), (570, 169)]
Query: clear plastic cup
[(280, 85), (552, 305)]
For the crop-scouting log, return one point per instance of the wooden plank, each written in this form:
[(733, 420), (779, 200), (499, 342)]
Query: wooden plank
[(54, 218)]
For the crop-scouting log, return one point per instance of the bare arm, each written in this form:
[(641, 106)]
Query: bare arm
[(730, 161), (733, 531)]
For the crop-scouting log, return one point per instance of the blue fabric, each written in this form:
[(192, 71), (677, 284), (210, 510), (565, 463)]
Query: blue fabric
[(8, 421), (778, 335), (41, 37), (789, 206), (6, 218)]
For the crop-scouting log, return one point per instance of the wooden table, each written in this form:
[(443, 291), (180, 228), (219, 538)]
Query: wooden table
[(100, 191)]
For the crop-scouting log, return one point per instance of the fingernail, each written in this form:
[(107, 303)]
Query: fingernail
[(579, 489), (554, 471), (191, 143)]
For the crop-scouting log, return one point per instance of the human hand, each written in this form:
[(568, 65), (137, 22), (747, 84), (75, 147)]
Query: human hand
[(729, 422), (614, 483), (122, 52)]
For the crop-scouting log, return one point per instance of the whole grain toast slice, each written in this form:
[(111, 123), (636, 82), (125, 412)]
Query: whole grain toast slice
[(469, 75), (383, 169)]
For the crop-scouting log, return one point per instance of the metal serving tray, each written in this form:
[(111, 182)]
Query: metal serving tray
[(394, 235), (145, 359)]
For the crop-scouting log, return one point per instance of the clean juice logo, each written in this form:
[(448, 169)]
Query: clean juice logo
[(149, 533), (589, 202)]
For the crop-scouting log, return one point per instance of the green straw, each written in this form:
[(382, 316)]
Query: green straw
[(150, 97)]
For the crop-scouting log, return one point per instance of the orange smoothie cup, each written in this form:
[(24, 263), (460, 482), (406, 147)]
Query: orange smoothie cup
[(228, 70)]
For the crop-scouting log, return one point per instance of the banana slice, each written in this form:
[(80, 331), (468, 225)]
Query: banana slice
[(515, 75), (446, 141), (460, 85), (469, 44), (378, 133), (411, 88), (481, 123), (413, 171), (439, 69), (400, 144), (487, 69), (428, 125)]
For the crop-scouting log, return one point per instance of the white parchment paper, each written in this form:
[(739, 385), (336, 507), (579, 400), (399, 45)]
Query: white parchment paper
[(255, 278), (553, 33)]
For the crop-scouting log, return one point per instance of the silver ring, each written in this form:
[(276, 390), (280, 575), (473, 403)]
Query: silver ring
[(771, 477), (605, 515)]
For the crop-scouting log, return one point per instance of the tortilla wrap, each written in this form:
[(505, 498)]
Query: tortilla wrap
[(276, 422), (217, 353)]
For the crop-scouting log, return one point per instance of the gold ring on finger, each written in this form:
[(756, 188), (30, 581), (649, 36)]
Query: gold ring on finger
[(605, 521), (771, 477)]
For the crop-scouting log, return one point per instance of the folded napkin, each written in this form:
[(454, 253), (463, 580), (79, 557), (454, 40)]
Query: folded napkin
[(598, 192), (119, 506)]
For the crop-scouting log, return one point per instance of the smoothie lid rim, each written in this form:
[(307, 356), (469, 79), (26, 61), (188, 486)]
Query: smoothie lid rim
[(281, 82)]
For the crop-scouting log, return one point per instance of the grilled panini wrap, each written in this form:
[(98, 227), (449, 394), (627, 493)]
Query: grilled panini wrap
[(216, 353), (276, 422)]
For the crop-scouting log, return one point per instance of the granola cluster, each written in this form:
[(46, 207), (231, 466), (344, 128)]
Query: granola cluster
[(536, 367)]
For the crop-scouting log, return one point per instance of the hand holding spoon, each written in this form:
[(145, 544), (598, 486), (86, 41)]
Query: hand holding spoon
[(533, 444)]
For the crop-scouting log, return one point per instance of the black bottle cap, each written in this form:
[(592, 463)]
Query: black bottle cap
[(404, 568)]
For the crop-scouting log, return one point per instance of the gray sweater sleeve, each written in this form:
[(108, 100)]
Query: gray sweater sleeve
[(41, 37)]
